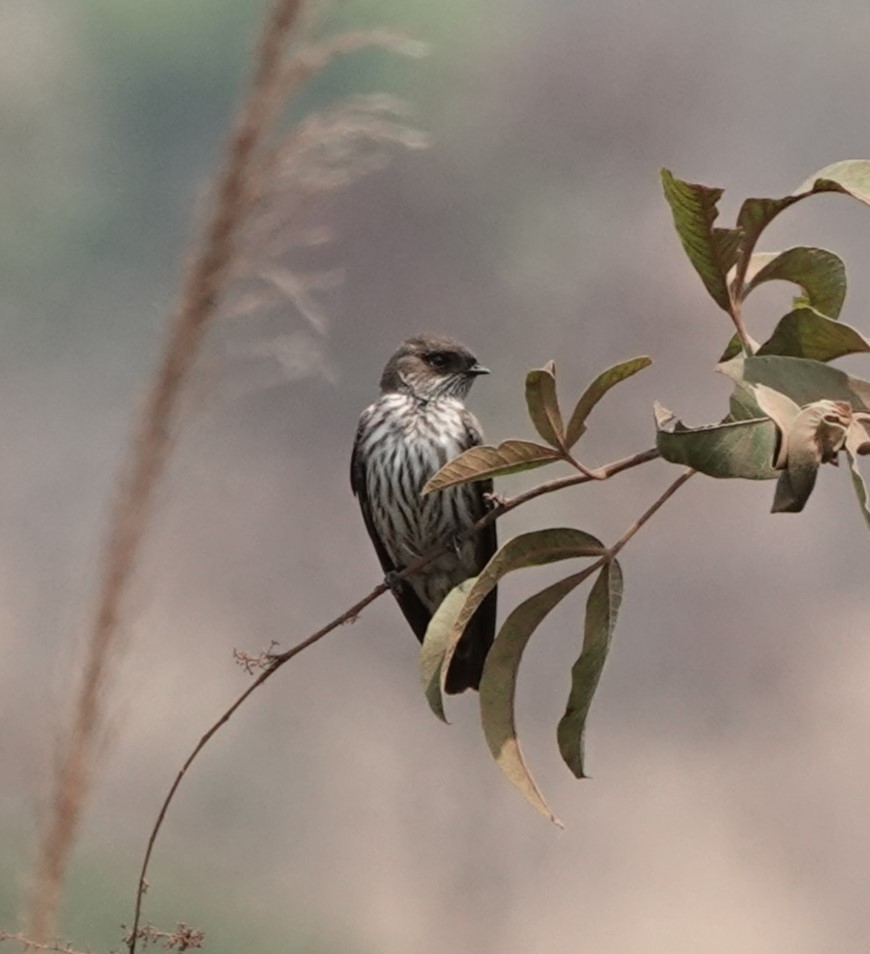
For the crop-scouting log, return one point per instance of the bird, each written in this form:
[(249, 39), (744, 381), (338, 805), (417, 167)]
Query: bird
[(418, 424)]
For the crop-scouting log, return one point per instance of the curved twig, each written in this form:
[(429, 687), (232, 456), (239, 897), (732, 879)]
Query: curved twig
[(503, 506)]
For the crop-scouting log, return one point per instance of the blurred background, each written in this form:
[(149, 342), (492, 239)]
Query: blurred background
[(728, 805)]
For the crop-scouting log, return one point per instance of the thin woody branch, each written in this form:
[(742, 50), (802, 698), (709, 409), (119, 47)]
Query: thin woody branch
[(651, 512), (502, 506)]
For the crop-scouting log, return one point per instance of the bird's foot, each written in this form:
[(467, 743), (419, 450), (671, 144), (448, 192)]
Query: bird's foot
[(393, 582), (495, 499)]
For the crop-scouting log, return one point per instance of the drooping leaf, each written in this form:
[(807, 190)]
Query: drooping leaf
[(528, 549), (755, 215), (829, 422), (804, 333), (808, 437), (544, 406), (858, 444), (777, 406), (860, 488), (858, 438), (739, 448), (712, 251), (819, 273), (848, 176), (498, 686), (435, 644), (821, 276), (602, 609), (803, 380), (782, 411), (484, 460), (816, 436), (596, 391), (851, 176)]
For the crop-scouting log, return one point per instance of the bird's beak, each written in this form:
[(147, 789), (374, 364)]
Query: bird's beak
[(476, 369)]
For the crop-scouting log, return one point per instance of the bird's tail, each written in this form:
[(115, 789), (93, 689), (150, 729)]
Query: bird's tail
[(466, 667)]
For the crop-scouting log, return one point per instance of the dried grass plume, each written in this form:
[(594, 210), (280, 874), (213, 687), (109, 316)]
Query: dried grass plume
[(268, 178)]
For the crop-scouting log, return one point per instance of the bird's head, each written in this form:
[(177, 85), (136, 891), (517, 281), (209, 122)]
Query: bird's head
[(431, 366)]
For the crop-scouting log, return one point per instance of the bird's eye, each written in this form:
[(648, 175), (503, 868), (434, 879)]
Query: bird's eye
[(437, 360)]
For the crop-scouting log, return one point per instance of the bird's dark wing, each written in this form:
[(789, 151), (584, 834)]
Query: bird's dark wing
[(467, 665), (410, 604), (487, 539)]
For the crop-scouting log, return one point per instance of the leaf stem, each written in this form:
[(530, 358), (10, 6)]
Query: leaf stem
[(736, 311), (737, 294), (644, 517), (586, 471), (506, 504)]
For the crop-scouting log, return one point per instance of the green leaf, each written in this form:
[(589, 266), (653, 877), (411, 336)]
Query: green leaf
[(819, 273), (498, 686), (821, 276), (732, 349), (804, 333), (803, 380), (596, 391), (602, 609), (544, 406), (435, 644), (484, 460), (852, 177), (743, 405), (712, 251), (528, 549), (736, 448), (849, 176), (756, 214)]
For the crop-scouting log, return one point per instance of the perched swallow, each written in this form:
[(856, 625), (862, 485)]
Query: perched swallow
[(417, 425)]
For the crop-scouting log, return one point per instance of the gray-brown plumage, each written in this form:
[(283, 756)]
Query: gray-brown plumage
[(416, 426)]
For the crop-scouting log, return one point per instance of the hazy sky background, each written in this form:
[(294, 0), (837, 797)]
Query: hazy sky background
[(728, 806)]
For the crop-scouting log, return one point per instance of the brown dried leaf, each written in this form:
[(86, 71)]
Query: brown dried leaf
[(485, 460), (543, 405)]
